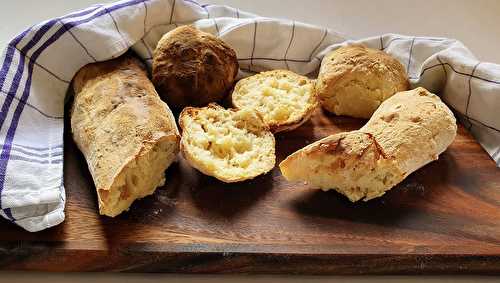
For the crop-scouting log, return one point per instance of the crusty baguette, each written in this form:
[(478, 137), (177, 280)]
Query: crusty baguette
[(126, 133), (284, 99), (230, 145), (354, 80), (407, 131)]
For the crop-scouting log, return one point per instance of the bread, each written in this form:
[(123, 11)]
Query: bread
[(230, 145), (407, 131), (354, 80), (191, 67), (126, 133), (283, 98)]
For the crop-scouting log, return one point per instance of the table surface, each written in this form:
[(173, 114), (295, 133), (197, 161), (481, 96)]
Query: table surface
[(475, 23)]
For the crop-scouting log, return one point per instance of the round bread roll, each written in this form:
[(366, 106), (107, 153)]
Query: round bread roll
[(284, 99), (354, 80), (191, 67)]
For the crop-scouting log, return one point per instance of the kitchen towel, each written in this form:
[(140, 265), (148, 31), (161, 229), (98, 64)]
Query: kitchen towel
[(37, 67)]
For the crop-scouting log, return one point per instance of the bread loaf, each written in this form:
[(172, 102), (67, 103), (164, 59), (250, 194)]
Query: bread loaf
[(406, 132), (126, 133), (230, 145), (284, 99), (354, 80), (193, 68)]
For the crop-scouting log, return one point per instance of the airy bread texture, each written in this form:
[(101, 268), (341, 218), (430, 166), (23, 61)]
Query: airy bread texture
[(126, 133), (230, 145), (283, 98), (406, 132), (191, 67), (354, 80)]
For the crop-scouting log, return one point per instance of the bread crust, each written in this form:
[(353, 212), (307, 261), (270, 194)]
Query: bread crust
[(415, 127), (193, 68), (354, 80), (406, 132), (243, 96), (265, 160), (120, 124)]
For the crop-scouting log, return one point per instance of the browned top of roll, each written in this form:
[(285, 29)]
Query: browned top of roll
[(191, 67)]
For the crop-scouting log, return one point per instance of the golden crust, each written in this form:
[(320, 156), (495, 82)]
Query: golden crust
[(354, 80), (415, 126), (191, 67), (121, 126), (228, 144), (407, 131), (283, 98)]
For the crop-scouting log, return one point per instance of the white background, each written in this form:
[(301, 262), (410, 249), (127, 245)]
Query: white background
[(475, 23)]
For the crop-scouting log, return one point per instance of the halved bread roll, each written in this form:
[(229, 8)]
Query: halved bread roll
[(126, 133), (407, 131), (230, 145), (283, 98)]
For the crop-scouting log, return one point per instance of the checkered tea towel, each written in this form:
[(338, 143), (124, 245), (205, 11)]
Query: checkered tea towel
[(38, 65)]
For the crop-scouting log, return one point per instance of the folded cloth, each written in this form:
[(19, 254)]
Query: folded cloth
[(38, 65)]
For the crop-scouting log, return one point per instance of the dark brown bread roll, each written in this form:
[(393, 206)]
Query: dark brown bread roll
[(191, 67)]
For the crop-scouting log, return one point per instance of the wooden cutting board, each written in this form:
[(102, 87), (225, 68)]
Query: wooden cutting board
[(445, 218)]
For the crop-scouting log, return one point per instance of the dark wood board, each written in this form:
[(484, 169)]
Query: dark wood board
[(444, 218)]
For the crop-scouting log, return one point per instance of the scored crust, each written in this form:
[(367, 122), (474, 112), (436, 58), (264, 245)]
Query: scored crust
[(354, 80), (283, 98), (230, 145), (409, 130), (344, 162), (126, 133)]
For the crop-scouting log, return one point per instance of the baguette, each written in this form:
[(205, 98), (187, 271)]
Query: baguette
[(126, 133), (406, 132)]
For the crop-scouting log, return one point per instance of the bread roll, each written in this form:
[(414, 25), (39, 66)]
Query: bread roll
[(284, 99), (230, 145), (191, 67), (407, 131), (354, 80), (126, 133)]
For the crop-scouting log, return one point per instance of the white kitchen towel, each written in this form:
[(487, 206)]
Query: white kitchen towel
[(38, 65)]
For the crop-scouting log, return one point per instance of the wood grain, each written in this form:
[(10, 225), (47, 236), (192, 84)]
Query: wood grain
[(444, 218)]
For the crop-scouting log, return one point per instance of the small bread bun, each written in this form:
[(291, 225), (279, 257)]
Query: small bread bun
[(283, 98), (354, 80), (230, 145), (409, 130), (191, 67)]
